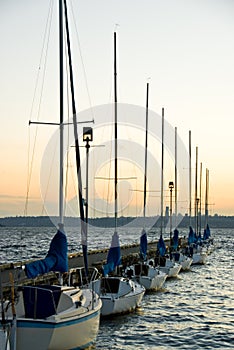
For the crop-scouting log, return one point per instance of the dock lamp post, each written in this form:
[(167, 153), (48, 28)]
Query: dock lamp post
[(171, 186), (87, 137)]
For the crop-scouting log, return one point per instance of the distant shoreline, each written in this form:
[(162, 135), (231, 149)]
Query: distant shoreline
[(215, 221)]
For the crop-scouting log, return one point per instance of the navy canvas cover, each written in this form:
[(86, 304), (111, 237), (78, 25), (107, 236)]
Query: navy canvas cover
[(143, 245), (192, 236), (161, 246), (114, 255), (175, 239), (55, 260)]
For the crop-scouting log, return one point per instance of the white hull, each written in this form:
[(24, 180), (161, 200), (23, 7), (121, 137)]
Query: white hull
[(71, 333), (60, 335), (147, 275), (4, 338), (184, 260), (185, 263), (171, 269), (154, 283), (74, 326), (209, 245), (112, 305), (210, 248), (199, 258), (118, 295)]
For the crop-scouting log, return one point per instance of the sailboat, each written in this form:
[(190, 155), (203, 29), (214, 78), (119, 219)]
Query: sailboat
[(207, 238), (118, 294), (54, 316), (178, 255), (144, 272), (195, 250), (162, 260)]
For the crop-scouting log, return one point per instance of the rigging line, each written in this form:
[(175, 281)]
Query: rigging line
[(28, 183), (82, 61), (49, 177), (75, 186), (136, 199), (68, 113), (109, 192), (109, 172), (111, 98), (46, 33), (30, 165), (93, 187), (78, 159), (50, 172), (66, 184), (112, 137)]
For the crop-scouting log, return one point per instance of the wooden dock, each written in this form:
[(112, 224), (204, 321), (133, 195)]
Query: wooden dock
[(129, 254)]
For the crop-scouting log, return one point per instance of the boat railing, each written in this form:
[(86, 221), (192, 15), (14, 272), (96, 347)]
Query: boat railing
[(77, 276)]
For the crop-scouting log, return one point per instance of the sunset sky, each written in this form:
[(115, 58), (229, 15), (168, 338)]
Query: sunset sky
[(185, 47)]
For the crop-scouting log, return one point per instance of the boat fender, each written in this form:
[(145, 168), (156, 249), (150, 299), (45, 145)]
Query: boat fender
[(78, 304)]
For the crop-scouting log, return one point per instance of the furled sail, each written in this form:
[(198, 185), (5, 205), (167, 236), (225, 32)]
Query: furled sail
[(55, 260), (175, 239), (192, 236), (143, 245), (161, 246), (206, 232), (114, 255)]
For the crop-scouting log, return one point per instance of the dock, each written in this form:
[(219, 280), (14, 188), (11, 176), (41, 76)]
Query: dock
[(96, 258)]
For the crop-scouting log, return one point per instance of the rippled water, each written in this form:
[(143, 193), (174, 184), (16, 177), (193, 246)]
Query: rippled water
[(194, 311), (22, 243)]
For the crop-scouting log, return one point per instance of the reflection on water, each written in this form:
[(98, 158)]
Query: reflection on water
[(194, 311)]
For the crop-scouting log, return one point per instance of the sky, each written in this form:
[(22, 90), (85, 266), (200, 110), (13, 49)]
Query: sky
[(183, 48)]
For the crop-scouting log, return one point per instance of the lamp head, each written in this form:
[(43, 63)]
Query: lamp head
[(171, 184), (87, 133)]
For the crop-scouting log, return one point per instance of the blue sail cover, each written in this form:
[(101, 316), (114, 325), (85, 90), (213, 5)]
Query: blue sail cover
[(143, 245), (175, 239), (114, 255), (191, 237), (199, 238), (206, 232), (161, 246), (55, 260)]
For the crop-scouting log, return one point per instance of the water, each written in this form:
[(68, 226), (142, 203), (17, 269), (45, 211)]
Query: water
[(194, 311)]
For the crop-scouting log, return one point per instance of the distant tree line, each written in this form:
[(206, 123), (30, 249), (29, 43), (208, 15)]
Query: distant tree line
[(216, 221)]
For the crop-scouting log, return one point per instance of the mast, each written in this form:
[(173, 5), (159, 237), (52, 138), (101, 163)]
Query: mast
[(206, 197), (176, 175), (87, 186), (190, 180), (61, 127), (116, 134), (196, 199), (162, 166), (78, 163), (200, 202), (146, 146)]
